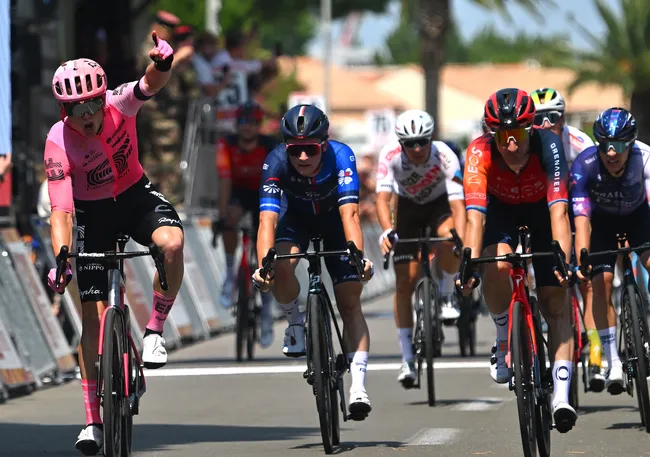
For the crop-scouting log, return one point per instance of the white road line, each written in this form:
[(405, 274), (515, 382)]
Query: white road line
[(279, 369), (434, 437), (481, 404)]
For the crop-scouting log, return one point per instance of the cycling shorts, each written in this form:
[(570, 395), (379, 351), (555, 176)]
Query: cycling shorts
[(412, 218), (136, 212), (298, 228), (249, 201), (502, 224), (605, 227)]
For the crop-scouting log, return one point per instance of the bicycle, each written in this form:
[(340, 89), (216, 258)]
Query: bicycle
[(533, 382), (325, 368), (634, 337), (427, 338), (120, 365), (248, 310)]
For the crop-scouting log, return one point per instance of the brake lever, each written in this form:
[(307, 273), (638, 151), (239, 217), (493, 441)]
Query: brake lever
[(560, 259), (159, 261), (61, 259)]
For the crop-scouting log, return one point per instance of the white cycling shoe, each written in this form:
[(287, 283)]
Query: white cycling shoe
[(154, 354), (359, 405), (294, 341), (498, 369), (564, 417), (90, 440)]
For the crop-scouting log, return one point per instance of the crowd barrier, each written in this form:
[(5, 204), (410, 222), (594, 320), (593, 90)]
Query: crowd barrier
[(39, 347)]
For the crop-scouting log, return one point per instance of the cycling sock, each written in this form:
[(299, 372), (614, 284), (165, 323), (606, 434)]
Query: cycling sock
[(358, 370), (230, 263), (161, 307), (595, 348), (608, 338), (501, 323), (561, 381), (91, 402), (292, 311), (406, 343), (267, 305), (447, 284)]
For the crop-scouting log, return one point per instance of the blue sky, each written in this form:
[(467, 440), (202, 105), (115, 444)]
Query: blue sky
[(471, 19)]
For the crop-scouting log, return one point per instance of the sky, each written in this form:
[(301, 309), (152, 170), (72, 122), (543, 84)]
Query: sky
[(470, 18)]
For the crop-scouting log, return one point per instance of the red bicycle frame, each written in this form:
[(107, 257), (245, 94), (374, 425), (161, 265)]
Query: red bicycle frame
[(518, 276)]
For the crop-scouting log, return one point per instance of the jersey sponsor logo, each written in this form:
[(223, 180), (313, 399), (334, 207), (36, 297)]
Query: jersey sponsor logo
[(89, 293), (100, 175), (159, 195), (271, 188), (119, 89), (167, 220), (120, 158), (52, 164), (427, 180), (590, 160), (345, 176), (265, 166), (556, 171), (393, 153), (473, 160), (162, 209), (382, 171)]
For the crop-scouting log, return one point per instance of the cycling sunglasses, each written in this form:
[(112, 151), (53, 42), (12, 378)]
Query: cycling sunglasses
[(553, 117), (503, 137), (421, 142), (311, 149), (618, 146), (78, 109)]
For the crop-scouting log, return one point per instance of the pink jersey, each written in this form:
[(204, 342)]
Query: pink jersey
[(86, 168)]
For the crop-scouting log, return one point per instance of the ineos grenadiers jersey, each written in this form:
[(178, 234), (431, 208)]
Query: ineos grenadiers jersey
[(593, 188), (336, 184), (101, 167), (420, 183)]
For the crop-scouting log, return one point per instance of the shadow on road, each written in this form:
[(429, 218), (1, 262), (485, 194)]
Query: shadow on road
[(590, 409), (352, 445), (626, 426), (31, 440)]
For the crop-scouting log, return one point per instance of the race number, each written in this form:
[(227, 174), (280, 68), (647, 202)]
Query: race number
[(235, 93)]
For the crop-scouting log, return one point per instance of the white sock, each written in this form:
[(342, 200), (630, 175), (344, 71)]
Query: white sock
[(292, 311), (358, 370), (501, 323), (608, 341), (230, 271), (406, 343), (447, 285), (561, 381)]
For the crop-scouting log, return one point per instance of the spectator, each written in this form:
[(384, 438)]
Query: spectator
[(206, 47), (366, 169)]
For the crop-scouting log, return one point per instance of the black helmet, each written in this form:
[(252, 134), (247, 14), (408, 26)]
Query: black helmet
[(304, 121)]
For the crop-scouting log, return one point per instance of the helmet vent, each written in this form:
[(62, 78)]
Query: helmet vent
[(68, 88), (300, 124)]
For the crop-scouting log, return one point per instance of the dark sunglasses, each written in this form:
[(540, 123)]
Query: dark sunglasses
[(618, 146), (311, 149), (422, 142), (78, 109), (553, 117)]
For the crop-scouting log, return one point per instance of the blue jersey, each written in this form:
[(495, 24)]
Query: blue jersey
[(593, 188), (336, 184)]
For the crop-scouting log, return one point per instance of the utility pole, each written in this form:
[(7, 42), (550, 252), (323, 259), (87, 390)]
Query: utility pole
[(326, 21), (212, 8)]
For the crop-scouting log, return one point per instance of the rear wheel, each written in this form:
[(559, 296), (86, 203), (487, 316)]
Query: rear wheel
[(638, 330), (467, 327), (241, 322), (424, 294), (523, 371), (113, 384)]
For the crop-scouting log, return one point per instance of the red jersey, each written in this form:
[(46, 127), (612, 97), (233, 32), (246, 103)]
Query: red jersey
[(243, 168), (544, 176)]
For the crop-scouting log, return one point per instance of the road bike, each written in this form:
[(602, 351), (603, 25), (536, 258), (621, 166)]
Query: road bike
[(120, 382), (325, 367)]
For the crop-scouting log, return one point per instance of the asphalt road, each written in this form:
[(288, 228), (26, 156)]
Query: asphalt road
[(204, 404)]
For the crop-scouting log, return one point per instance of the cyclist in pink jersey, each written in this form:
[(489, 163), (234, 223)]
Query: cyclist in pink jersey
[(93, 172)]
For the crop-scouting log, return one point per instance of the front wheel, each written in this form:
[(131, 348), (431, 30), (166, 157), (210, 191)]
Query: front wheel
[(638, 331), (113, 383), (241, 323), (521, 343), (424, 295)]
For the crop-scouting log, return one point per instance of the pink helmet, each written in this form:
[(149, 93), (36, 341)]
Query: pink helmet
[(78, 79)]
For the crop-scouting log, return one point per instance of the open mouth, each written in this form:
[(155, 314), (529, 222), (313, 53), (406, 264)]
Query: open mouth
[(89, 127)]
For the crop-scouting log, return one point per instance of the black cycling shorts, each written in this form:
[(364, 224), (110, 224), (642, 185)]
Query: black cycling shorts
[(605, 227), (298, 228), (412, 218), (249, 201), (502, 224), (136, 212)]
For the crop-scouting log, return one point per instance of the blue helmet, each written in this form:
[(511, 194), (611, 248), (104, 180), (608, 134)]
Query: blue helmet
[(615, 124), (304, 121)]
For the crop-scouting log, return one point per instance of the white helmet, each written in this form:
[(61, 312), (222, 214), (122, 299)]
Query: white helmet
[(548, 99), (414, 123)]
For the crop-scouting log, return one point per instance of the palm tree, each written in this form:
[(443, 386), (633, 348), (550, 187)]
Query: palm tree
[(621, 57), (434, 19)]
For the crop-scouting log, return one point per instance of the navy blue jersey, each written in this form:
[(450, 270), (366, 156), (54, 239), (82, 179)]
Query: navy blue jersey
[(336, 184)]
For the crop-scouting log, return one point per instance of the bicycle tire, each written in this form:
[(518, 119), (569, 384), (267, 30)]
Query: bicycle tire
[(113, 383), (320, 367), (127, 420), (428, 305), (638, 328), (241, 320), (543, 410), (466, 327), (521, 362), (574, 399), (253, 325), (336, 423)]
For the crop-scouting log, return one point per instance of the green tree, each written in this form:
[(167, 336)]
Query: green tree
[(621, 57)]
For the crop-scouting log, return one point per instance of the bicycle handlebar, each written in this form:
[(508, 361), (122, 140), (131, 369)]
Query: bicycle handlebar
[(586, 256), (454, 237), (352, 251), (465, 270), (154, 251)]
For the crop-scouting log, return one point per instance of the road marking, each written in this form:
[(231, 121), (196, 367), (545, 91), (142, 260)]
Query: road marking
[(481, 404), (434, 437), (279, 369)]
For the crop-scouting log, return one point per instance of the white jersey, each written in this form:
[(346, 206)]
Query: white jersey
[(574, 141), (420, 183)]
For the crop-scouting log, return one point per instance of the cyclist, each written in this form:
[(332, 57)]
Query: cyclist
[(550, 110), (240, 158), (91, 160), (518, 176), (318, 178), (425, 174), (610, 187)]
